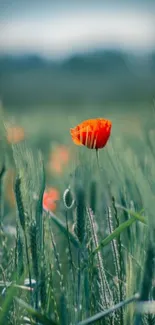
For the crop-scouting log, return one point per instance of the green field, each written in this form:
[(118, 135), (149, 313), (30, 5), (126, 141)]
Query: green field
[(93, 260)]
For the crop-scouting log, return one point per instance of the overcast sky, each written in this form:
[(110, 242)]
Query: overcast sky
[(59, 28)]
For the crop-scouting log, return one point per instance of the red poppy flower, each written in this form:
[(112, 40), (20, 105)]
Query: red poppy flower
[(51, 195), (93, 133)]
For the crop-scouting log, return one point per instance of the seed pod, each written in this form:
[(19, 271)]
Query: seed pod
[(19, 201), (33, 245), (80, 213)]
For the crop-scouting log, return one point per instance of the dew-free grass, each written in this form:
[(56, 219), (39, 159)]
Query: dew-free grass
[(92, 262)]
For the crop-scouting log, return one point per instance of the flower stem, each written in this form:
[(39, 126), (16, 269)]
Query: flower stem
[(97, 157)]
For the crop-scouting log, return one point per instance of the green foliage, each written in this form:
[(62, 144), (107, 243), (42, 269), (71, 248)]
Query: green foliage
[(80, 213), (85, 263)]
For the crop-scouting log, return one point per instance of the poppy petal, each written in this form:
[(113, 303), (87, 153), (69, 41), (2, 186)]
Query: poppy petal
[(75, 139), (93, 133)]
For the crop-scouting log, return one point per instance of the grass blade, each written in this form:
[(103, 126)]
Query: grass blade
[(115, 234), (100, 315), (34, 313), (63, 228), (134, 214), (6, 304)]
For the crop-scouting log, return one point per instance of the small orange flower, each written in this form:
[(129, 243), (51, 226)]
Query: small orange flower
[(51, 195), (15, 134), (59, 159), (93, 133)]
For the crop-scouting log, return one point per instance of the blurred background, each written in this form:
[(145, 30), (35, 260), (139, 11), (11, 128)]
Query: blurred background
[(74, 53), (65, 61)]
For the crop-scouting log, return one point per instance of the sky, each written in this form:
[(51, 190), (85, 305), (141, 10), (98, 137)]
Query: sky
[(61, 28)]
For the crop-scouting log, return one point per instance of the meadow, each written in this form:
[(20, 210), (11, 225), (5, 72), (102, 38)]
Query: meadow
[(86, 255)]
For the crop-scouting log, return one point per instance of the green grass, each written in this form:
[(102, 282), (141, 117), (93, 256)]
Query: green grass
[(91, 262)]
